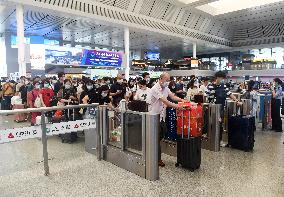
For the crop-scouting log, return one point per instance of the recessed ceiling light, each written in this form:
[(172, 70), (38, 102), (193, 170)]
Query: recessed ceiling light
[(226, 6), (188, 1)]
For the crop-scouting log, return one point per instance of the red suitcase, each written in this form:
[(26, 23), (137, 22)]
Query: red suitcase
[(20, 117), (190, 117)]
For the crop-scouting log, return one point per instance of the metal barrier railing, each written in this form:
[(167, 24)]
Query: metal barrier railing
[(44, 129)]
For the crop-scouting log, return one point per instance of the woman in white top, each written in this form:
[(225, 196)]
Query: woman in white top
[(143, 92), (192, 91)]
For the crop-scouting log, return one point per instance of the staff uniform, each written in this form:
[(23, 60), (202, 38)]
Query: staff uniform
[(275, 109)]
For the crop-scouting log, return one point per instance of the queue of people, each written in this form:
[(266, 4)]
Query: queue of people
[(158, 94)]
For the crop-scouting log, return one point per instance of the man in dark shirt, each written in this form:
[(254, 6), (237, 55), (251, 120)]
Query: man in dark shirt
[(218, 93), (179, 88), (117, 91), (59, 84)]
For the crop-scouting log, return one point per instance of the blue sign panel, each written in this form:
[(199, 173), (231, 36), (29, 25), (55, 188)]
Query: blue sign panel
[(102, 58)]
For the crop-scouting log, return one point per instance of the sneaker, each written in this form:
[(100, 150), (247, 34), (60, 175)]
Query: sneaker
[(161, 164)]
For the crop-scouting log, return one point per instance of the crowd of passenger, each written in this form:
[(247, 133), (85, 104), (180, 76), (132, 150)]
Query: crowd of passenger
[(60, 90)]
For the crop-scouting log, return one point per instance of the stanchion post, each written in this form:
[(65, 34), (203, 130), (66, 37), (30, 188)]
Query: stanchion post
[(152, 144), (44, 144)]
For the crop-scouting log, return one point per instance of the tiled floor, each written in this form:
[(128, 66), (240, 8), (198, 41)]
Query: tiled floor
[(77, 173)]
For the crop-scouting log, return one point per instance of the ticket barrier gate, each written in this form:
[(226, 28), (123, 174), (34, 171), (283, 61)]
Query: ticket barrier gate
[(231, 109), (129, 140), (211, 127)]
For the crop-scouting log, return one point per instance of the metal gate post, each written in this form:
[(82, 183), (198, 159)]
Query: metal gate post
[(152, 144), (44, 144), (98, 132)]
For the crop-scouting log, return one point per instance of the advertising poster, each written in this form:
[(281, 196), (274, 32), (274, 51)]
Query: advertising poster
[(102, 58), (37, 56), (63, 55)]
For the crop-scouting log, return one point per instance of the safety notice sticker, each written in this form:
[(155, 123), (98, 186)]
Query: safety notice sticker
[(16, 134), (71, 126)]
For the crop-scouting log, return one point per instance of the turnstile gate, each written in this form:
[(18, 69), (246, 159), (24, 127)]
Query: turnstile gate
[(129, 140), (211, 127)]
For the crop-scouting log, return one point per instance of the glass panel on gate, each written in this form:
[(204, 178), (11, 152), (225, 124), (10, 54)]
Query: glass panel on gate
[(115, 127), (133, 132)]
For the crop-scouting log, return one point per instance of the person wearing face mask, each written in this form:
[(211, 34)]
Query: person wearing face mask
[(60, 83), (159, 102), (192, 91), (23, 90), (68, 94), (47, 93), (180, 88), (130, 90), (172, 86), (7, 93), (31, 98), (21, 83), (146, 77), (80, 89), (276, 105), (218, 93), (89, 94), (103, 97), (143, 92), (117, 90)]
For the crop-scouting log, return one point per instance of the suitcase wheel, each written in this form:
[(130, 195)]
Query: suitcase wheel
[(177, 165)]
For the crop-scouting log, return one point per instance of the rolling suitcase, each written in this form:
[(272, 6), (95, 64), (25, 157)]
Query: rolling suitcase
[(69, 137), (20, 117), (241, 132), (171, 121), (188, 149)]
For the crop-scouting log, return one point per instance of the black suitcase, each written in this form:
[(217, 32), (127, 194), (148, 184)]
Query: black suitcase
[(188, 151), (70, 115), (241, 132)]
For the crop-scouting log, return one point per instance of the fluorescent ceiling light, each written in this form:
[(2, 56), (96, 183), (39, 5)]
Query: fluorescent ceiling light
[(226, 6), (187, 1)]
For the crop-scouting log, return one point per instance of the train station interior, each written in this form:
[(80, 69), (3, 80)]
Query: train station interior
[(142, 98)]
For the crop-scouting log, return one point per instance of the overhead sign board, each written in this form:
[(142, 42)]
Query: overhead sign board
[(102, 58)]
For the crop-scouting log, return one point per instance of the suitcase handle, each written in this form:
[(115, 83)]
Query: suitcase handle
[(182, 123)]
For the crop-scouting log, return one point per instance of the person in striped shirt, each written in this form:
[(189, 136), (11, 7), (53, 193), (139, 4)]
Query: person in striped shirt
[(217, 93)]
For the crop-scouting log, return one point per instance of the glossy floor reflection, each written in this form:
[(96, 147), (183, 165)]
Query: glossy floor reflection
[(77, 173)]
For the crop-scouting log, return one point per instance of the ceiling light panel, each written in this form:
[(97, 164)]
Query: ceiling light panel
[(226, 6), (187, 1)]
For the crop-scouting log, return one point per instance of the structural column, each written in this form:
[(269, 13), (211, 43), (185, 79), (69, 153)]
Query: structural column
[(21, 39), (194, 50), (126, 51)]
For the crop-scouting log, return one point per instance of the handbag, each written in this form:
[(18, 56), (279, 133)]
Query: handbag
[(38, 102)]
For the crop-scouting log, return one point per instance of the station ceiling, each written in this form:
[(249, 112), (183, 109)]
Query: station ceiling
[(163, 25)]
